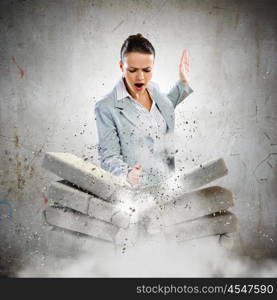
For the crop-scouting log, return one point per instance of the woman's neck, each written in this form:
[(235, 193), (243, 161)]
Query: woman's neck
[(137, 96)]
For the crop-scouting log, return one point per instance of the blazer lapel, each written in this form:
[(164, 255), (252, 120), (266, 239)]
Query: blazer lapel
[(128, 110)]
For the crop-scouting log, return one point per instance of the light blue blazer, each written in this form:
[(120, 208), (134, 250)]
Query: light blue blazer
[(122, 142)]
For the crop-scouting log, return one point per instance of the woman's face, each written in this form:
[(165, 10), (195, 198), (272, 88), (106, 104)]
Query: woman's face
[(137, 69)]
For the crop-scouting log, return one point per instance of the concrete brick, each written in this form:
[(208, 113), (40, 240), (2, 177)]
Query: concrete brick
[(201, 227), (190, 206), (62, 242), (80, 223), (71, 197), (82, 173), (67, 196)]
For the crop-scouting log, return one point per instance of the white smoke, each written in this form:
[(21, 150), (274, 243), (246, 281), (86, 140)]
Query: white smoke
[(199, 258)]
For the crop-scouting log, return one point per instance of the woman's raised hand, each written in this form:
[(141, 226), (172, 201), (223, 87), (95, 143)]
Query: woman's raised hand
[(184, 66), (133, 176)]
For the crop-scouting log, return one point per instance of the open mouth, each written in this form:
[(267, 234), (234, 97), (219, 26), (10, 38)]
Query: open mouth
[(139, 85)]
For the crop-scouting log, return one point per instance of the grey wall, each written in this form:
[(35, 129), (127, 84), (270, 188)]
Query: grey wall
[(58, 57)]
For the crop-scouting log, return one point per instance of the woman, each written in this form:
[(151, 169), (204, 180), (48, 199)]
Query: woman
[(135, 121)]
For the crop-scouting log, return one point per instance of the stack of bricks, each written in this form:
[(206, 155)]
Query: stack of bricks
[(94, 203)]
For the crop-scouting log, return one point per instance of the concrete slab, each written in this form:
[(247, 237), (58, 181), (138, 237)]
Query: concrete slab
[(190, 206), (82, 173), (71, 197), (62, 242), (67, 196), (69, 220), (201, 227)]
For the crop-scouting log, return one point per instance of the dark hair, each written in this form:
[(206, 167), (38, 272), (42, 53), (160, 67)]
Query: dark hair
[(136, 43)]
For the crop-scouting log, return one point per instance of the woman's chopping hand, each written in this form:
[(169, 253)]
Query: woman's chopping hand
[(184, 66), (133, 176)]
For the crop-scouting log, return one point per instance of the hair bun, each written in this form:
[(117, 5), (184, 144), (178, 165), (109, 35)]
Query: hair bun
[(136, 43), (135, 36)]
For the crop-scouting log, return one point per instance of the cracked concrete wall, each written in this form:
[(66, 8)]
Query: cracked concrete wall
[(58, 57)]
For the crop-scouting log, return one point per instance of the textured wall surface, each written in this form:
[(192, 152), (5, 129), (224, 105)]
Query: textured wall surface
[(57, 58)]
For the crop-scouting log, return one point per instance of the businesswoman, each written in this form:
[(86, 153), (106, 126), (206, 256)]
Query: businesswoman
[(135, 121)]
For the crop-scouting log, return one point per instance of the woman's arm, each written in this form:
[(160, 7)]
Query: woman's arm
[(109, 145), (179, 92), (181, 89)]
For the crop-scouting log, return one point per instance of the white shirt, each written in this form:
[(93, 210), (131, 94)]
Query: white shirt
[(151, 121)]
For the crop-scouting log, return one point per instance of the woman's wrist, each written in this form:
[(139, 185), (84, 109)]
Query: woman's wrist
[(184, 81)]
